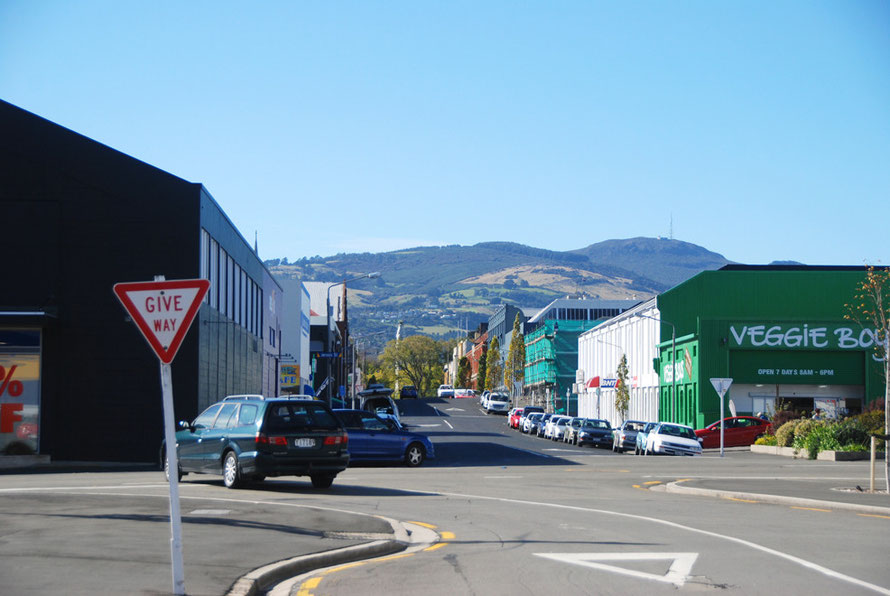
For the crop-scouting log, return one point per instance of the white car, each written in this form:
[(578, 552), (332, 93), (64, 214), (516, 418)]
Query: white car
[(496, 402), (558, 429), (668, 438), (531, 422), (445, 391), (551, 425)]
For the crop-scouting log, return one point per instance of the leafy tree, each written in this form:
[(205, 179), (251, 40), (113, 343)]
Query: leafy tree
[(871, 307), (463, 372), (494, 368), (514, 371), (483, 369), (622, 393), (419, 360)]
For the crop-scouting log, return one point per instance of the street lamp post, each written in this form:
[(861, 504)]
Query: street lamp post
[(328, 312), (673, 363)]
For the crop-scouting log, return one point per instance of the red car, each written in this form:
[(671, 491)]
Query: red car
[(464, 393), (515, 415), (738, 431)]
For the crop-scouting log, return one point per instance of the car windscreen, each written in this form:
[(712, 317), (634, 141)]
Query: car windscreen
[(595, 424), (296, 417), (677, 431)]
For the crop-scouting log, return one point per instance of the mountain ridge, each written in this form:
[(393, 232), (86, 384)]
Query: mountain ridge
[(431, 288)]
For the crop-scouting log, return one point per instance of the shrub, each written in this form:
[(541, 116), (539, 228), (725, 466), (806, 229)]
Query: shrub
[(818, 437), (805, 427), (785, 434), (872, 421), (780, 418), (766, 440), (850, 432)]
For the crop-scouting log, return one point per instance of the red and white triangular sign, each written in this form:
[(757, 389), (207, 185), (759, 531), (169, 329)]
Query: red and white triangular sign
[(163, 310)]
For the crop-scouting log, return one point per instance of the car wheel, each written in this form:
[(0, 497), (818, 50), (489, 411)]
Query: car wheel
[(231, 473), (167, 470), (414, 455), (322, 480)]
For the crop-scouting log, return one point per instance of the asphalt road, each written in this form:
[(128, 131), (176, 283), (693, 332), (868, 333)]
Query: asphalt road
[(513, 515)]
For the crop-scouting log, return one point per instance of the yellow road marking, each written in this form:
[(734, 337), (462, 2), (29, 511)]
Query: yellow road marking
[(742, 500), (873, 515), (313, 582), (307, 585), (430, 526), (812, 509), (653, 482)]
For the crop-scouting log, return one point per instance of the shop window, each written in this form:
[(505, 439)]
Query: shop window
[(20, 395)]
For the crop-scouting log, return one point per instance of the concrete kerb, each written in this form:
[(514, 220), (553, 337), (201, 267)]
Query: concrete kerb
[(261, 579), (678, 488)]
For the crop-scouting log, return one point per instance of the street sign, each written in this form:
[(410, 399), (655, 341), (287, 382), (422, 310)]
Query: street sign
[(721, 386), (163, 310)]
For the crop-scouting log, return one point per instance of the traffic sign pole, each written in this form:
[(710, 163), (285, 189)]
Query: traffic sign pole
[(721, 386), (164, 311), (173, 473)]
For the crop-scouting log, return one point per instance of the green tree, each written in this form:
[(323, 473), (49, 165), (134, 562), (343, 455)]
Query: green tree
[(419, 361), (514, 370), (483, 369), (871, 307), (622, 393), (494, 368), (463, 372)]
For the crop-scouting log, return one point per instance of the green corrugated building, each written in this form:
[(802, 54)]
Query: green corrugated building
[(778, 331)]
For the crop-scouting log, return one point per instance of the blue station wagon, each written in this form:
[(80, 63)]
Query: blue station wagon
[(250, 437)]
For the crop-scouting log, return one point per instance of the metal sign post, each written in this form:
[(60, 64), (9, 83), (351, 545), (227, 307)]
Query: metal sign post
[(721, 386), (163, 311), (173, 467)]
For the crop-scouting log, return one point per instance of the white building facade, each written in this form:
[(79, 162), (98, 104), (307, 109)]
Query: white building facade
[(636, 334)]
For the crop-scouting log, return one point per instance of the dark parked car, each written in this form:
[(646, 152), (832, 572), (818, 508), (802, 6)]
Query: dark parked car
[(372, 439), (250, 437), (408, 392), (594, 432)]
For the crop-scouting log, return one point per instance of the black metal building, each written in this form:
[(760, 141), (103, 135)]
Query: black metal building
[(80, 381)]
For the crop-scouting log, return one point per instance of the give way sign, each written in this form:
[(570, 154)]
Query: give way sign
[(163, 310)]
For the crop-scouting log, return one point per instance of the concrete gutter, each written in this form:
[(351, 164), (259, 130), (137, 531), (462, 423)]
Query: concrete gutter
[(678, 488), (259, 580)]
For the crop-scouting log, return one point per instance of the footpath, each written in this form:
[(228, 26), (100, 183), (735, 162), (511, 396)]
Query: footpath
[(819, 489)]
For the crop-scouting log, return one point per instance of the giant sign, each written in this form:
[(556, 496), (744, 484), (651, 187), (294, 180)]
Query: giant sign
[(801, 336)]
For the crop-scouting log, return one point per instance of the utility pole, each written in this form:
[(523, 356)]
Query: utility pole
[(398, 339)]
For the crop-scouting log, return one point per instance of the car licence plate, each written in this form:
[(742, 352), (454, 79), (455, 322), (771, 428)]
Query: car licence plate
[(305, 442)]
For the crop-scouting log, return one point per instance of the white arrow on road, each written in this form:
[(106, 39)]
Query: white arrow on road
[(677, 574)]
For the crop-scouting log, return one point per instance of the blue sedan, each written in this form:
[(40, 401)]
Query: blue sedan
[(371, 438)]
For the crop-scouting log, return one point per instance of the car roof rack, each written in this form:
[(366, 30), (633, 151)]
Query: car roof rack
[(246, 396)]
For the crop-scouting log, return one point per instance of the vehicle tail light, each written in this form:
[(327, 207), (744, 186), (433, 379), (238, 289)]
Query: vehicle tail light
[(336, 440), (262, 439)]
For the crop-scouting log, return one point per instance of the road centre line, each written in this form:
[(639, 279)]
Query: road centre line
[(765, 549)]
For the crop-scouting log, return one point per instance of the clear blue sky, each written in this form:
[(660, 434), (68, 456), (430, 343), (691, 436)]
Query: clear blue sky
[(762, 129)]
